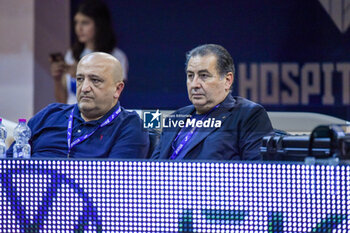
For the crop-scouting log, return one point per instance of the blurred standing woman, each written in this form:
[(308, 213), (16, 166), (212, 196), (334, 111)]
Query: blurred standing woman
[(93, 32)]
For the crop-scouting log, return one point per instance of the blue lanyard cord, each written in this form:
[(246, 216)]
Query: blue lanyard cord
[(187, 137), (82, 138)]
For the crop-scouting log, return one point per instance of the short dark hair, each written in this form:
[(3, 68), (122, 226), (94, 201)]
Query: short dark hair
[(224, 63), (105, 39)]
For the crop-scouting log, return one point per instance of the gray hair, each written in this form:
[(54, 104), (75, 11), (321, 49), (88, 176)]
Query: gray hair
[(224, 62)]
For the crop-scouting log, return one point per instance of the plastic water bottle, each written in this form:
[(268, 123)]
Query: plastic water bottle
[(3, 135), (22, 134)]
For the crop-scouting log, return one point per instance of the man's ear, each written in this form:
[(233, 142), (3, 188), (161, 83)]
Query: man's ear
[(119, 86), (229, 80)]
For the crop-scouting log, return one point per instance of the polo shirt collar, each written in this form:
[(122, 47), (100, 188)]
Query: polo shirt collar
[(76, 114)]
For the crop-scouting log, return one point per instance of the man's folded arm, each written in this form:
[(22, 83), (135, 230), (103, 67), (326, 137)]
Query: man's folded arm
[(133, 141), (254, 128)]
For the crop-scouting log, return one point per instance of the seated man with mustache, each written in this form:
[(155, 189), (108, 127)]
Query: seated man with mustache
[(96, 127), (217, 126)]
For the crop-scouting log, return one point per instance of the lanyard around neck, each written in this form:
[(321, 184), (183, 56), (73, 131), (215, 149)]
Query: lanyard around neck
[(82, 138), (188, 136)]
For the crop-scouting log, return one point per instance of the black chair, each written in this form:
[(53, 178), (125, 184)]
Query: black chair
[(154, 136)]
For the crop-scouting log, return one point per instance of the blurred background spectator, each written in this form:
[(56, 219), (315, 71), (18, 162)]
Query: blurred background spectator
[(93, 31), (289, 55)]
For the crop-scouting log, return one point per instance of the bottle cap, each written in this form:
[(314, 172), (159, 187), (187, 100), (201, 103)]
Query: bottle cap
[(22, 120)]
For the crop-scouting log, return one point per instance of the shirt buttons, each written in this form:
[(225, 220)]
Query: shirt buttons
[(79, 131)]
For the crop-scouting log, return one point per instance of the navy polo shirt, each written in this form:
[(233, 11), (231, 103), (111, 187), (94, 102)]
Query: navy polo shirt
[(123, 138)]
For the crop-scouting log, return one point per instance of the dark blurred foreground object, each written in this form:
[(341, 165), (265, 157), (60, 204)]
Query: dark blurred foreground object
[(324, 142)]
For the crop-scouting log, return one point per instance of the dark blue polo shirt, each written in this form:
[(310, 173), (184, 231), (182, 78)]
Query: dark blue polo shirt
[(123, 138)]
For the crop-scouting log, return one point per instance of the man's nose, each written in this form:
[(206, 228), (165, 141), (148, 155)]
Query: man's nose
[(196, 82), (86, 86)]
